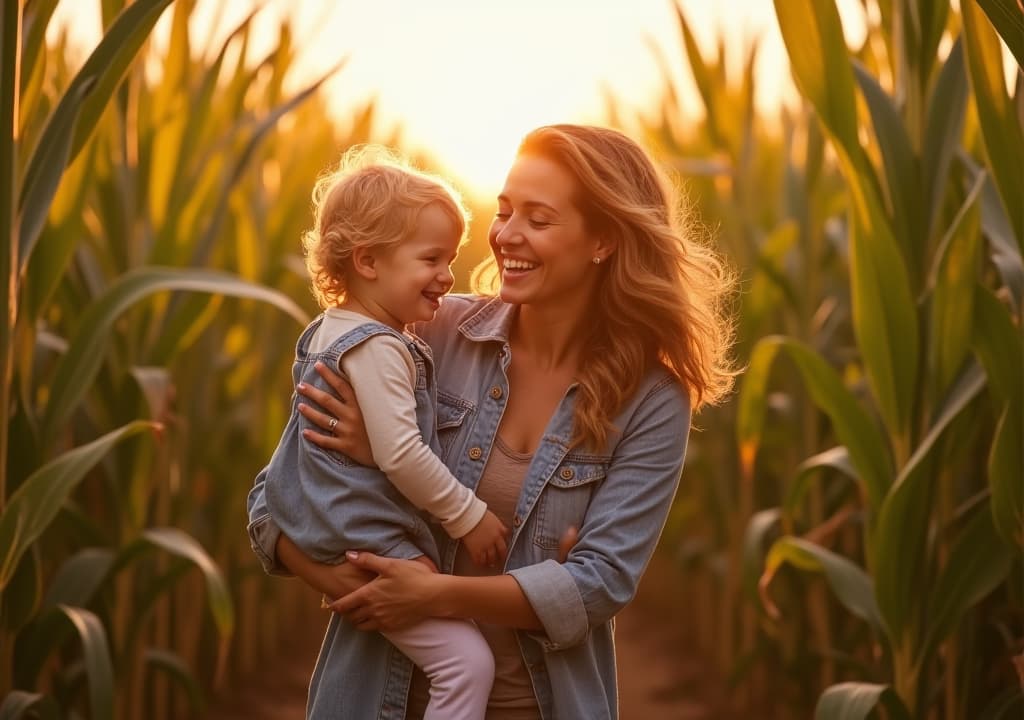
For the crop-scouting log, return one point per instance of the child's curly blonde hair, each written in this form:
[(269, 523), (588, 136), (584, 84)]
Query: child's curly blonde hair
[(372, 199)]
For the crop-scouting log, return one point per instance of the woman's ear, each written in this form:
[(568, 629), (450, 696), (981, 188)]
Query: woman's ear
[(606, 247), (364, 263)]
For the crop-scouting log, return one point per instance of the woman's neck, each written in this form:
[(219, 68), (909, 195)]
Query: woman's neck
[(551, 338)]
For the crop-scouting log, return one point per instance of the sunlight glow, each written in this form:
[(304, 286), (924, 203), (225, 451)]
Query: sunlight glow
[(464, 80)]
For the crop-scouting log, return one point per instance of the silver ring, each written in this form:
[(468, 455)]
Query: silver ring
[(332, 424)]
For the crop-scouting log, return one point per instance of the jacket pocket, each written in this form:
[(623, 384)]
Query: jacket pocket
[(565, 498), (452, 412)]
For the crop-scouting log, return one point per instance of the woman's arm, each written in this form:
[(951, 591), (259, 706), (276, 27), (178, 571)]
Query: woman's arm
[(405, 593), (622, 525), (334, 581)]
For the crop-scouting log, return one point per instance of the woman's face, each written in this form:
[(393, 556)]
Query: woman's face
[(544, 254)]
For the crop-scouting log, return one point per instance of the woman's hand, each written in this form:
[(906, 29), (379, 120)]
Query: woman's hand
[(398, 598), (334, 581), (338, 415)]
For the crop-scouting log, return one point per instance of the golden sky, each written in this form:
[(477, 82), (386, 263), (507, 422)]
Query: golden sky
[(467, 78)]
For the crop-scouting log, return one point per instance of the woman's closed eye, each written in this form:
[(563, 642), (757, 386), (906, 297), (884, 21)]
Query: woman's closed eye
[(535, 223)]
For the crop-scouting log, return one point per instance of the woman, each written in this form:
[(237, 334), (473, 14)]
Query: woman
[(564, 402)]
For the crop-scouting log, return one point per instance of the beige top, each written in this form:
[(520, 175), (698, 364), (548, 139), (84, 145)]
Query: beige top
[(383, 376), (512, 697)]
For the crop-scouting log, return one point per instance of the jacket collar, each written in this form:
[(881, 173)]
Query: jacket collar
[(493, 321)]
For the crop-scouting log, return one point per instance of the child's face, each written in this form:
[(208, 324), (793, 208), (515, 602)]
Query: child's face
[(414, 275)]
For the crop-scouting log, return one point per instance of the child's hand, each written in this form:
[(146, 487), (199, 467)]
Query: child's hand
[(488, 541)]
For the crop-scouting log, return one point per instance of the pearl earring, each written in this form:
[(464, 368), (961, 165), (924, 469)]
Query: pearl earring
[(597, 260)]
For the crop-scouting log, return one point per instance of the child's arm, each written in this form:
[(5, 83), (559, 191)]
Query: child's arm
[(382, 376)]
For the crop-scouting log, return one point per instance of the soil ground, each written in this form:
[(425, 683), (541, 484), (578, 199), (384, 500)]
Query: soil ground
[(660, 677)]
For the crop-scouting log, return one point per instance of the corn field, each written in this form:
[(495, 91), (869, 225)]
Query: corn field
[(851, 524)]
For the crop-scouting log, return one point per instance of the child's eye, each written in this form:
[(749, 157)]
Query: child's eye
[(502, 215), (539, 224)]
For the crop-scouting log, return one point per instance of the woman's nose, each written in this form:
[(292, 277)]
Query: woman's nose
[(505, 235)]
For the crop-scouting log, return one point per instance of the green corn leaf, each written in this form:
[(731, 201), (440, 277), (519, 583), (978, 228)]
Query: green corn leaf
[(883, 310), (183, 545), (943, 127), (885, 322), (73, 120), (702, 75), (1005, 470), (172, 664), (997, 343), (855, 429), (899, 549), (78, 578), (837, 458), (18, 704), (37, 17), (241, 161), (1000, 127), (976, 565), (59, 238), (851, 585), (753, 402), (902, 175), (816, 46), (96, 656), (34, 505), (1008, 20), (855, 701), (933, 18), (111, 59), (80, 364), (45, 168), (953, 279), (1004, 251), (75, 583), (761, 524)]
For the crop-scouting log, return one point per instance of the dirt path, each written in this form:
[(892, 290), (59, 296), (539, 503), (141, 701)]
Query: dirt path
[(659, 677)]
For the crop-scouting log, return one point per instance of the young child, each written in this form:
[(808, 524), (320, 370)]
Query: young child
[(379, 256)]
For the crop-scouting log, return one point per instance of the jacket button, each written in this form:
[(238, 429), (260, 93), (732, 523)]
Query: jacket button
[(496, 392), (475, 453), (567, 473)]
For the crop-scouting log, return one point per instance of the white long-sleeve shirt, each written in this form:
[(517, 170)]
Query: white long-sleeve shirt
[(383, 376)]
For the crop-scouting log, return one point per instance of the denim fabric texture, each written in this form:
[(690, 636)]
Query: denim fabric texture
[(326, 502), (619, 497)]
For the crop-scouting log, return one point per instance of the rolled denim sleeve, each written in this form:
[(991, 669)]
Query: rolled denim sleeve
[(621, 528), (263, 531), (556, 599)]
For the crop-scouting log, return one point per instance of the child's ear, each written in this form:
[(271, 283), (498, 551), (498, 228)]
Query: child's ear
[(364, 262)]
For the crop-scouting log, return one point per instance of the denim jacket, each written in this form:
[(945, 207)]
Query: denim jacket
[(326, 502), (618, 497)]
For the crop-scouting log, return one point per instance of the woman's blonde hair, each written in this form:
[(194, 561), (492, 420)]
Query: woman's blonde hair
[(663, 294), (372, 199)]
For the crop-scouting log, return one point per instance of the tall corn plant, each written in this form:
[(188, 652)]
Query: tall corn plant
[(121, 191), (931, 438), (765, 190)]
